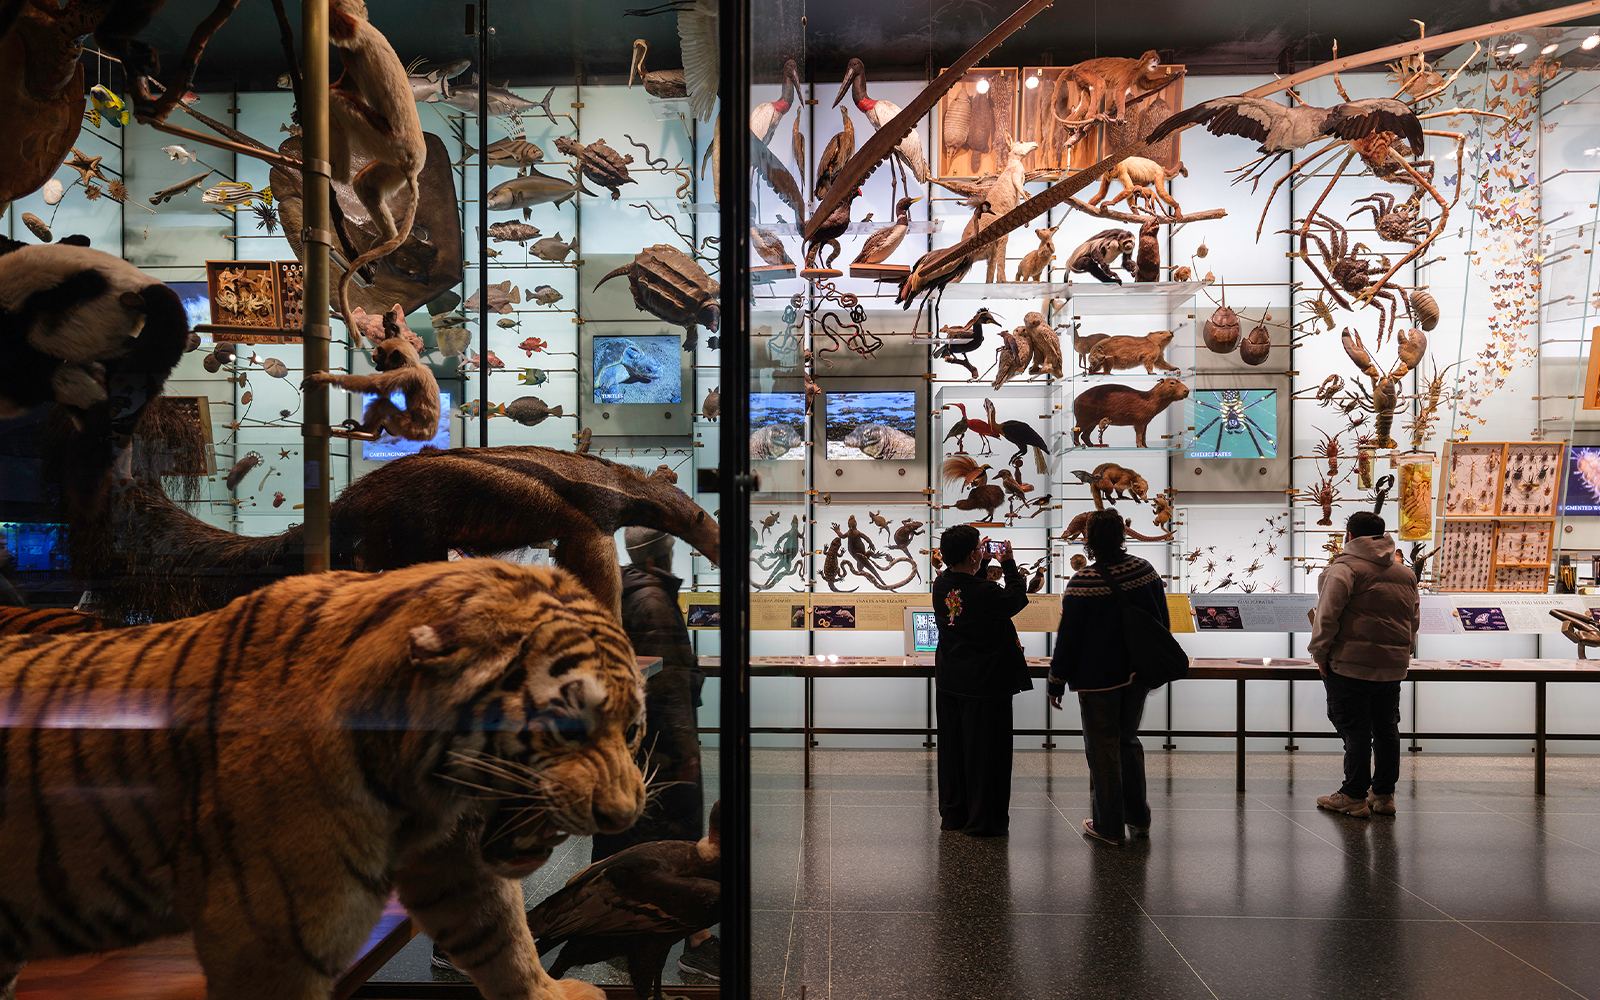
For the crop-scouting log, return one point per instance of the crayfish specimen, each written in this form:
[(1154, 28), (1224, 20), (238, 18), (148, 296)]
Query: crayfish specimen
[(1412, 345)]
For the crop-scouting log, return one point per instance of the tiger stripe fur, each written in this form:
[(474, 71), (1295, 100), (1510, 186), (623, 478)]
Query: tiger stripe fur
[(265, 775), (48, 621)]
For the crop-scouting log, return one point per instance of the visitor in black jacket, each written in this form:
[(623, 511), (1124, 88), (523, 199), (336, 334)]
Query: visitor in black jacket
[(977, 668), (1091, 658)]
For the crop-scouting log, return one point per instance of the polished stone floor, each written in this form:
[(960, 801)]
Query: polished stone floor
[(1477, 889)]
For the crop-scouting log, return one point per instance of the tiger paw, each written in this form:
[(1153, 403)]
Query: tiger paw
[(577, 989)]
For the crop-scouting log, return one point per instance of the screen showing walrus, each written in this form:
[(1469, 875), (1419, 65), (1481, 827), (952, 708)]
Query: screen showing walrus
[(388, 446), (777, 426), (1233, 423), (872, 425), (636, 370)]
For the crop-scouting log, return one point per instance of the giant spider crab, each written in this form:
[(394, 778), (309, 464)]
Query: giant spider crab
[(1394, 224), (1349, 270)]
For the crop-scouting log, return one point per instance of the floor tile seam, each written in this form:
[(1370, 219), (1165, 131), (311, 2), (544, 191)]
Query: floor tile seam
[(1172, 944), (1473, 931), (1541, 830), (1403, 888), (1353, 920)]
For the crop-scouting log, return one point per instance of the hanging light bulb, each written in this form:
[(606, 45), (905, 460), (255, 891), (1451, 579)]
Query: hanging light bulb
[(1519, 48), (1590, 42), (983, 85), (1549, 48)]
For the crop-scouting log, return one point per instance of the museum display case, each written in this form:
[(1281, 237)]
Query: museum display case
[(806, 354)]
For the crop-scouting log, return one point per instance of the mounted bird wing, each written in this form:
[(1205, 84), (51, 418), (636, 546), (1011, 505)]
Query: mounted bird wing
[(876, 149), (1358, 353), (1249, 117), (1359, 119)]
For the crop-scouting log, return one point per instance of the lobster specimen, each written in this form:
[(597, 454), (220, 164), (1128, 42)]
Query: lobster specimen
[(1326, 497), (1412, 345)]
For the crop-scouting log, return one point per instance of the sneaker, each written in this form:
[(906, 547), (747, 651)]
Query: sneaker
[(704, 959), (1339, 802), (1381, 804), (1138, 832), (442, 961), (1090, 832)]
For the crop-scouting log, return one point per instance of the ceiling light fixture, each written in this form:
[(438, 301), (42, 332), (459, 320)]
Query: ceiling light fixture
[(1549, 48), (983, 85), (1519, 48), (1590, 42)]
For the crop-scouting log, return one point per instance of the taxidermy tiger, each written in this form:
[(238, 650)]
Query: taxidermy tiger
[(290, 760)]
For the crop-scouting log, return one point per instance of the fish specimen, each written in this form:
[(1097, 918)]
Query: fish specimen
[(533, 376), (434, 86), (532, 344), (512, 232), (471, 361), (108, 105), (168, 193), (530, 411), (453, 340), (448, 319), (600, 163), (545, 295), (887, 240), (551, 248), (506, 323), (533, 188), (183, 154), (660, 83), (232, 193), (502, 297), (502, 102), (513, 151)]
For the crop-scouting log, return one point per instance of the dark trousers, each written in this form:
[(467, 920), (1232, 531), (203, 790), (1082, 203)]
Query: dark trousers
[(974, 764), (1116, 757), (1367, 716)]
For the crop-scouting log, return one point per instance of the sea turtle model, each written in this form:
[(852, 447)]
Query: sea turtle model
[(617, 363), (600, 163)]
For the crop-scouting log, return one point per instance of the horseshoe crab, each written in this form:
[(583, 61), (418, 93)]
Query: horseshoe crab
[(600, 163), (669, 285)]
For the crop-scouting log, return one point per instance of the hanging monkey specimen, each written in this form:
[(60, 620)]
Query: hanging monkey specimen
[(399, 370), (371, 107)]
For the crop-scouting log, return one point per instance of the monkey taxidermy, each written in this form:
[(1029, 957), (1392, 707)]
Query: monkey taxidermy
[(371, 108), (399, 370)]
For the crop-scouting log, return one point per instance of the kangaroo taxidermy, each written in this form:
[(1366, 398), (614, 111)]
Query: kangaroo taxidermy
[(1140, 178), (399, 370), (370, 107)]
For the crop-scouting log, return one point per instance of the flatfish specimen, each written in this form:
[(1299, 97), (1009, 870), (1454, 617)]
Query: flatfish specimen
[(545, 295), (551, 248), (512, 232), (453, 340), (503, 297), (881, 441), (530, 411), (774, 441), (617, 362)]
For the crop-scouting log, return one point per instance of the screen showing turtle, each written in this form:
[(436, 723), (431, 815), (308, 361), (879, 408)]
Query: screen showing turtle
[(636, 369), (1232, 423), (777, 426), (871, 425)]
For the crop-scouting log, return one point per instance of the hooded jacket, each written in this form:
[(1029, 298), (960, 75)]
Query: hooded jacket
[(979, 654), (1367, 612)]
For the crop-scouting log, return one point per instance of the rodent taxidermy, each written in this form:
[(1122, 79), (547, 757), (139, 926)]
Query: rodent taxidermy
[(371, 107), (399, 370), (1123, 406), (1115, 353), (503, 708)]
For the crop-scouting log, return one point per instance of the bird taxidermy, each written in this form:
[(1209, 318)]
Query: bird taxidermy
[(764, 117), (1033, 263), (881, 244), (908, 150), (398, 370), (834, 155), (670, 286), (980, 493), (1110, 482), (658, 83), (1045, 345), (370, 108), (1140, 178), (827, 235), (769, 247), (1147, 265), (963, 340), (1098, 254), (1123, 406), (1121, 352), (1022, 435)]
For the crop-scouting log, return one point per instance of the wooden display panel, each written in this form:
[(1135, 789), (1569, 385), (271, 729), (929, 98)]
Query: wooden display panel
[(1471, 472), (291, 294), (244, 294), (1531, 483), (959, 160), (1054, 97), (1466, 557)]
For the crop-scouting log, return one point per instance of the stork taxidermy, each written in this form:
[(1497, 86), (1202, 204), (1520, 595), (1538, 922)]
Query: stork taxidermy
[(764, 117), (908, 151)]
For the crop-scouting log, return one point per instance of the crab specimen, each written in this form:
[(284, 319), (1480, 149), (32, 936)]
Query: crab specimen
[(1394, 224), (1348, 270)]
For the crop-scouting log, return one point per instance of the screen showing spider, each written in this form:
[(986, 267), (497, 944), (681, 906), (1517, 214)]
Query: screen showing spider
[(1233, 423)]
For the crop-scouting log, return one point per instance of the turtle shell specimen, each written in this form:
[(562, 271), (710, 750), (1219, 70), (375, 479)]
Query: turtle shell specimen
[(1425, 309), (1253, 350), (670, 286), (600, 163), (1221, 332)]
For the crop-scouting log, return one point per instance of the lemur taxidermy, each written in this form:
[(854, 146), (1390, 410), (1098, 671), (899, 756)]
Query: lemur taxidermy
[(399, 370), (371, 108)]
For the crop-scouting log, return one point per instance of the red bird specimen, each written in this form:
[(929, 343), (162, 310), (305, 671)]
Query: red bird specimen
[(636, 904), (982, 494), (1023, 436)]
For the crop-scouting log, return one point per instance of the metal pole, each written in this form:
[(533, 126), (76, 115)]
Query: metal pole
[(483, 223), (317, 237)]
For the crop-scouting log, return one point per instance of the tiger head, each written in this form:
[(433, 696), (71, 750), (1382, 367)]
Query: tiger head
[(547, 706)]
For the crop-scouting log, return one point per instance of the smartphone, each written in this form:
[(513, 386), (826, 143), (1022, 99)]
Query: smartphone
[(994, 549)]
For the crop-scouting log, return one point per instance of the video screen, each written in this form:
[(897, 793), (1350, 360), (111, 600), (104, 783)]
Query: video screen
[(388, 446), (196, 298), (1581, 496), (924, 632), (636, 369), (879, 426), (777, 426), (34, 546), (1232, 423)]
